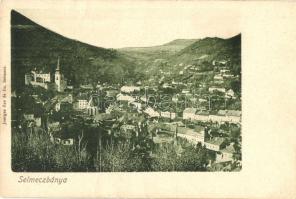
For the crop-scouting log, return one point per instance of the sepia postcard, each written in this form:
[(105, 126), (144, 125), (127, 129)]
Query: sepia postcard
[(148, 99)]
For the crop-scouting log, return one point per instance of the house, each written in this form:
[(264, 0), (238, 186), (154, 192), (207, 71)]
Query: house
[(218, 77), (129, 89), (227, 75), (175, 98), (212, 89), (121, 97), (37, 121), (166, 85), (57, 106), (93, 105), (112, 108), (28, 78), (126, 127), (229, 94), (194, 136), (226, 154), (103, 117), (82, 103), (151, 112), (201, 100), (28, 116), (112, 93), (189, 113), (162, 139), (202, 116), (167, 114), (62, 105), (214, 144), (224, 71), (54, 126), (219, 117), (86, 86), (234, 116), (70, 87), (67, 142), (136, 105), (68, 98), (31, 117), (185, 91)]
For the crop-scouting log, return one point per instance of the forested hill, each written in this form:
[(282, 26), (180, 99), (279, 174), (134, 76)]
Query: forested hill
[(206, 50), (34, 46)]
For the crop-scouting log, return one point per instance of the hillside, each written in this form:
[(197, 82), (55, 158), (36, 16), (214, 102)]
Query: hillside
[(206, 50), (154, 52), (34, 46), (199, 53)]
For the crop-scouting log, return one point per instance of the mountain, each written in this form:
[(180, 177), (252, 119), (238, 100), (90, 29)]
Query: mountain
[(153, 52), (211, 48), (174, 56), (204, 51), (33, 46)]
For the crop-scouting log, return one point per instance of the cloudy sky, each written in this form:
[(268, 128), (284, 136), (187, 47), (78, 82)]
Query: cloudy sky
[(116, 24)]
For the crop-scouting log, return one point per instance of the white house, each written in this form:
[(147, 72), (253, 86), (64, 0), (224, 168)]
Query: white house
[(228, 75), (234, 116), (121, 97), (93, 106), (29, 116), (218, 77), (82, 103), (137, 105), (229, 94), (129, 89), (202, 116), (67, 142), (167, 114), (151, 112), (226, 154), (214, 144), (212, 89), (193, 136), (189, 113), (37, 121)]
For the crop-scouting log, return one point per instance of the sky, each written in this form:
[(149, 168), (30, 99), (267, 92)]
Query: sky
[(117, 25)]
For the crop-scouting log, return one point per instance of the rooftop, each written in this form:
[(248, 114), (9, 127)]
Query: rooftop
[(190, 110), (216, 141), (229, 149), (203, 112), (191, 132)]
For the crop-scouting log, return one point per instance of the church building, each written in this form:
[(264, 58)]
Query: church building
[(59, 79)]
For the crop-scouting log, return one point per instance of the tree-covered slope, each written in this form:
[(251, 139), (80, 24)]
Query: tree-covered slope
[(206, 50), (33, 46)]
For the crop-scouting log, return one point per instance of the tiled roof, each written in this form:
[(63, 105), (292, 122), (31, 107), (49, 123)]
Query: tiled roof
[(216, 141), (190, 110), (229, 149), (234, 113), (188, 131)]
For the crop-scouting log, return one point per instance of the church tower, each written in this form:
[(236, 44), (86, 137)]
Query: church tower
[(58, 77)]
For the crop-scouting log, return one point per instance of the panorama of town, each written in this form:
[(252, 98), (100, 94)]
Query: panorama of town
[(183, 126)]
